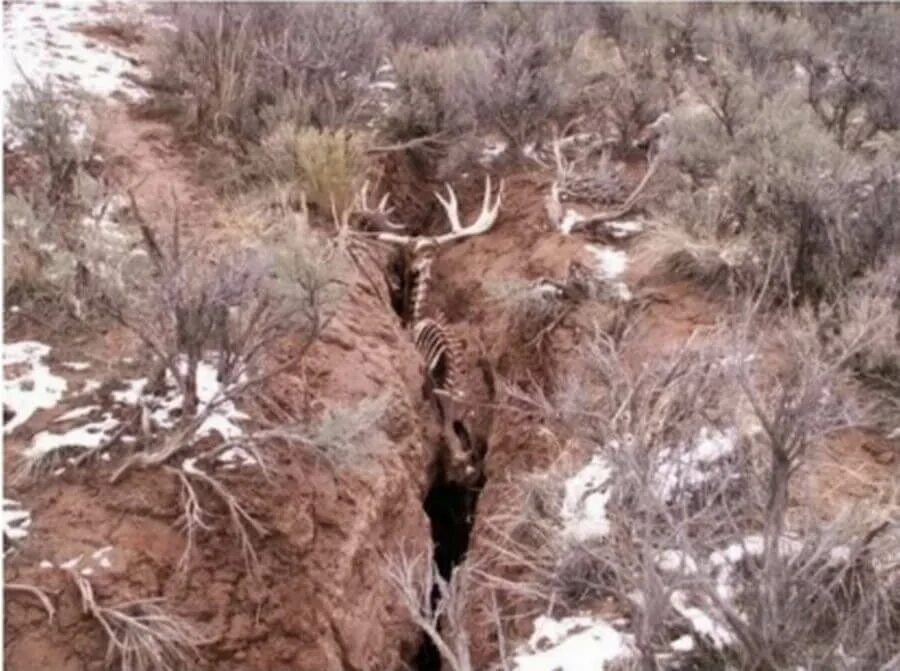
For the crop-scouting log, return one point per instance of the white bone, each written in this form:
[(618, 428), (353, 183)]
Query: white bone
[(482, 224)]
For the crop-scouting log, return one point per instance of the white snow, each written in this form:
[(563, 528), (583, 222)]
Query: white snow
[(569, 221), (46, 564), (77, 366), (90, 386), (675, 561), (40, 38), (222, 419), (718, 634), (572, 644), (684, 469), (492, 150), (584, 504), (87, 436), (36, 388), (683, 643), (611, 263), (236, 454), (16, 520), (132, 393), (77, 413), (624, 229)]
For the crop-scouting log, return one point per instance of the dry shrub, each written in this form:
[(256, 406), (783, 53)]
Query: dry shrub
[(512, 75), (815, 213), (438, 91), (430, 25), (867, 318), (182, 300), (702, 538), (54, 220), (529, 311), (46, 126), (141, 634), (36, 271), (852, 80), (528, 50), (237, 70)]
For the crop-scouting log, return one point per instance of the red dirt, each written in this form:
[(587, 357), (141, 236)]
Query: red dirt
[(321, 603)]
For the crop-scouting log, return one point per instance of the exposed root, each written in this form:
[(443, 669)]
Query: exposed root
[(453, 645), (193, 514), (36, 592), (141, 635)]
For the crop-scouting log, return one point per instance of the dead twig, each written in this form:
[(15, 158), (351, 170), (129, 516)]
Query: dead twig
[(36, 592)]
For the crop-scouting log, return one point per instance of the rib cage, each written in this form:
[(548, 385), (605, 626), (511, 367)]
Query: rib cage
[(441, 351)]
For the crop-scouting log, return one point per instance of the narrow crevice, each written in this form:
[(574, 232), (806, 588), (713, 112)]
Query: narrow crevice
[(400, 283), (451, 509)]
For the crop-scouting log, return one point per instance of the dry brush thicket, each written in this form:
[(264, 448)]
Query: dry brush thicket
[(692, 531), (772, 133)]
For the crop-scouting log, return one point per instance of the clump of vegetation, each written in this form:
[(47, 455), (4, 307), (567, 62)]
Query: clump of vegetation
[(331, 168), (688, 466), (236, 71), (53, 220)]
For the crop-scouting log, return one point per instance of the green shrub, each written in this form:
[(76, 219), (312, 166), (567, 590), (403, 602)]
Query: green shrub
[(332, 167)]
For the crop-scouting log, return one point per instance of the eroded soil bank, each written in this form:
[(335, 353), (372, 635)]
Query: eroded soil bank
[(280, 560)]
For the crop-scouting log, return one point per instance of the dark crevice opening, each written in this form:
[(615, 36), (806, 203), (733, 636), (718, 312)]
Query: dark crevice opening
[(400, 281), (451, 509)]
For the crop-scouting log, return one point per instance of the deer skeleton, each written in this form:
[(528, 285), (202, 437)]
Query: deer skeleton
[(432, 336)]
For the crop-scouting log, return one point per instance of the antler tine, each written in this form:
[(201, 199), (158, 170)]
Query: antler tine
[(482, 224), (488, 214), (363, 196), (554, 205), (451, 207)]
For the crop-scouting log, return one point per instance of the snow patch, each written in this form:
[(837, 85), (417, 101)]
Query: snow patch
[(133, 392), (572, 644), (611, 263), (41, 39), (90, 386), (164, 409), (625, 229), (704, 625), (77, 366), (35, 389), (87, 436), (16, 520), (584, 504), (675, 561), (77, 413), (683, 469), (569, 221), (492, 150), (236, 456)]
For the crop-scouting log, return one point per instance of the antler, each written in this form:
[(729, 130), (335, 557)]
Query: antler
[(482, 224), (568, 220), (380, 214)]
